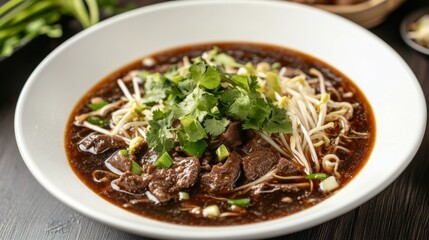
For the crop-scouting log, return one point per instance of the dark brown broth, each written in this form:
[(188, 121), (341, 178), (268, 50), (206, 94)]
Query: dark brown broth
[(268, 206)]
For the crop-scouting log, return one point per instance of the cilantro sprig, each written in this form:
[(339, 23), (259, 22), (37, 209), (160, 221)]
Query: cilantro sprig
[(200, 103)]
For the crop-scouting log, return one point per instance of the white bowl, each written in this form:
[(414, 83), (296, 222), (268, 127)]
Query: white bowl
[(67, 73)]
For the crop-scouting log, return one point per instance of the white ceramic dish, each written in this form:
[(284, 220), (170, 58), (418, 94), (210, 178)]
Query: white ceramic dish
[(68, 72), (404, 29)]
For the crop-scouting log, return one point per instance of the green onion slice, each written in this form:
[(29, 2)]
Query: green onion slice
[(135, 168), (124, 152), (320, 176), (98, 105), (98, 121), (165, 161), (183, 196), (242, 202), (195, 148), (211, 211), (222, 153)]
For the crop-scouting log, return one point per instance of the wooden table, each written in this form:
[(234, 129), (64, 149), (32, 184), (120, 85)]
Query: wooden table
[(27, 211)]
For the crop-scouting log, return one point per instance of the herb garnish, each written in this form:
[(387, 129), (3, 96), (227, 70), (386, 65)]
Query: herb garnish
[(202, 102)]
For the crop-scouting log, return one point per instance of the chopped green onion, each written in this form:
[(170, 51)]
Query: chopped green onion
[(193, 128), (98, 105), (101, 122), (144, 74), (124, 152), (195, 149), (211, 211), (275, 66), (320, 176), (273, 84), (165, 161), (183, 196), (242, 202), (222, 153), (135, 168), (177, 79), (215, 110)]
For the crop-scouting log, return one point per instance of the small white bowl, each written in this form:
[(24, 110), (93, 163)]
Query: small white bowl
[(67, 73), (405, 25)]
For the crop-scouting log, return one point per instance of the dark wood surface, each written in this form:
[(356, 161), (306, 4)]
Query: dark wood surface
[(28, 211)]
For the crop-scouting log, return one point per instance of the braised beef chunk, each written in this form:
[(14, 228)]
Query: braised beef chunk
[(121, 162), (166, 183), (132, 183), (205, 163), (96, 143), (255, 143), (222, 176), (232, 135), (257, 163), (288, 168), (149, 157)]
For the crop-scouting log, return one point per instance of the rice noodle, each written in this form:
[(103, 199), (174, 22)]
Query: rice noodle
[(125, 90), (330, 164), (266, 177)]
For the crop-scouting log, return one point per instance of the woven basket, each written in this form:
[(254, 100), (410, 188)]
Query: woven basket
[(367, 14)]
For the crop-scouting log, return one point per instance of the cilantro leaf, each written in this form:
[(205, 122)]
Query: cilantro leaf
[(211, 78), (189, 105), (159, 137), (155, 88), (157, 114), (197, 70), (207, 102), (193, 129), (240, 81), (229, 95), (215, 126), (278, 122), (258, 114), (187, 86), (226, 60), (239, 108)]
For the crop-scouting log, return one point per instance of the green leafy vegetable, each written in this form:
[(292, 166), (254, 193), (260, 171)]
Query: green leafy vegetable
[(278, 122), (226, 60), (215, 126), (211, 78), (201, 106), (156, 88), (160, 136), (23, 20)]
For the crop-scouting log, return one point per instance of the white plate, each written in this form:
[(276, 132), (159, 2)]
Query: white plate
[(67, 73)]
